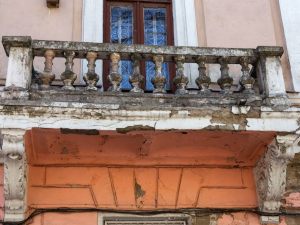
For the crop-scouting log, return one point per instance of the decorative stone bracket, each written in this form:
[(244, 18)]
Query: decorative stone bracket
[(270, 172), (14, 174)]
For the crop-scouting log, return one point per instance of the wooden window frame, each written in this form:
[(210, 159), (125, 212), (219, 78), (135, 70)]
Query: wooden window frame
[(138, 37)]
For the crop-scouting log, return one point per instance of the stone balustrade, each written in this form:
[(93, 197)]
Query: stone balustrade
[(260, 67)]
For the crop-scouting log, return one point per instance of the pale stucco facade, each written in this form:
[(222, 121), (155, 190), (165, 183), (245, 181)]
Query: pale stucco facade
[(120, 151)]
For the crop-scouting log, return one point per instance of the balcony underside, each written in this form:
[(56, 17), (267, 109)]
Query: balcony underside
[(145, 148), (142, 170)]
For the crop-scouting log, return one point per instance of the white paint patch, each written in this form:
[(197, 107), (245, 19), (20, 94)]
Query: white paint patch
[(156, 119), (183, 124), (19, 68), (272, 124), (236, 126), (240, 110), (274, 77)]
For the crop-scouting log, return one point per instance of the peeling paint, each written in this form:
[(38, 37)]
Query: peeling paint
[(128, 129), (139, 194)]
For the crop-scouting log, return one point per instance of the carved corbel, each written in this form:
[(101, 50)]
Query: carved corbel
[(14, 174), (270, 172)]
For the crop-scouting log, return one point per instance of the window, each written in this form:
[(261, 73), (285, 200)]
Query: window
[(129, 219), (139, 22)]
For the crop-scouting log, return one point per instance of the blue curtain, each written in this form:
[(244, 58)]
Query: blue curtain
[(155, 28), (122, 33), (154, 32)]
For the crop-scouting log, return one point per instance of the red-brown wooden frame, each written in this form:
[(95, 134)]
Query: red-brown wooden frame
[(138, 37)]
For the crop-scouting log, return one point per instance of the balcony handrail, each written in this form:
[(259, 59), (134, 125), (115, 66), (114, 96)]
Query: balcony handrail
[(169, 52)]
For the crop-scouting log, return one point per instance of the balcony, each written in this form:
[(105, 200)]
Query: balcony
[(260, 80), (33, 98), (70, 124)]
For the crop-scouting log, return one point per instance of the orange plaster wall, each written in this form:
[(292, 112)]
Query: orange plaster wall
[(92, 187), (105, 187), (62, 174)]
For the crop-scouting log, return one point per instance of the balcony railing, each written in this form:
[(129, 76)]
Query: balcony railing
[(260, 75)]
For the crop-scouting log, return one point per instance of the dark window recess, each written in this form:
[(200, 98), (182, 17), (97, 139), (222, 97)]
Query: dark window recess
[(52, 3), (139, 22)]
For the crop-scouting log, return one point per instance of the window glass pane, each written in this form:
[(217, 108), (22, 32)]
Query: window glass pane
[(121, 30), (155, 33)]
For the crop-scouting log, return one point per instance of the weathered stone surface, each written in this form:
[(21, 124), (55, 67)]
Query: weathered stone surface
[(203, 81), (213, 54), (115, 77), (68, 76), (91, 78), (270, 172), (180, 79), (47, 76), (246, 80), (136, 79), (19, 70), (293, 175), (14, 174), (159, 80), (16, 41)]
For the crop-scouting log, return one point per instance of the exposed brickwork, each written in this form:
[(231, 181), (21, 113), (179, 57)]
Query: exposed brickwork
[(293, 201), (1, 192), (238, 219)]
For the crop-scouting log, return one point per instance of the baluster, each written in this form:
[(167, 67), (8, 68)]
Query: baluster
[(225, 82), (114, 77), (91, 77), (203, 81), (246, 80), (180, 79), (47, 76), (68, 77), (136, 78), (158, 80)]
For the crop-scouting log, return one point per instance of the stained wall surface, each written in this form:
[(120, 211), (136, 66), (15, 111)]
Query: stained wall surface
[(242, 24), (1, 192), (92, 218), (140, 188), (136, 171), (33, 18), (143, 170)]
